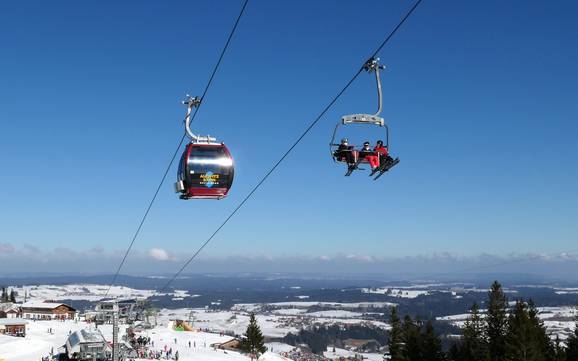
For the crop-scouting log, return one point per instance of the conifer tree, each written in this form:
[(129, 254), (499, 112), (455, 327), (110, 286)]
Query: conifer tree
[(526, 339), (254, 342), (519, 345), (395, 337), (540, 335), (13, 296), (412, 337), (474, 345), (559, 350), (454, 353), (431, 346), (4, 297), (572, 346), (496, 322)]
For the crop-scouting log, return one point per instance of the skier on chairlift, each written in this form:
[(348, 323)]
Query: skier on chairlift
[(368, 154), (345, 152), (383, 153)]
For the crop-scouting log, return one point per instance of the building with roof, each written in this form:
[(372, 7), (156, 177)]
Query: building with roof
[(9, 310), (47, 311), (233, 344), (13, 327), (87, 345)]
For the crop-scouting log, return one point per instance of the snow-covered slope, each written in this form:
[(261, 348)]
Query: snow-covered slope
[(39, 342)]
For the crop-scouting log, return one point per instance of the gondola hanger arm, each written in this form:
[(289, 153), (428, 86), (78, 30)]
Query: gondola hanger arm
[(192, 102)]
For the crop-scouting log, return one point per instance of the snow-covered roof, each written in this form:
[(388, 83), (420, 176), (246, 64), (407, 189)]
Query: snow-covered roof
[(85, 336), (43, 305), (6, 307), (12, 321)]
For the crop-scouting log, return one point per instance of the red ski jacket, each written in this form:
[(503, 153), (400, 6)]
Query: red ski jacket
[(381, 150)]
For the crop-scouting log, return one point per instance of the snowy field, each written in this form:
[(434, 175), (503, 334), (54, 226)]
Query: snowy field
[(87, 292), (39, 342), (397, 292), (340, 352), (252, 307), (228, 321), (416, 290), (565, 291), (272, 325), (286, 317), (558, 320)]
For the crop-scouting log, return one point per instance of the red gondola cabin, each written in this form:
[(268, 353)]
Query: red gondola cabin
[(206, 171)]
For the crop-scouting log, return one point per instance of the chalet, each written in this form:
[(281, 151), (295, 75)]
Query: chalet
[(13, 327), (9, 310), (47, 311), (231, 345)]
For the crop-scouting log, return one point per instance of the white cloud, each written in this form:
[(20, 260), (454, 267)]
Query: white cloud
[(159, 254), (360, 258), (28, 258), (6, 248)]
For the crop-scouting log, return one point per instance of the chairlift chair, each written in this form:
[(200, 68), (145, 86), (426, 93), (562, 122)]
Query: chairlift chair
[(372, 65)]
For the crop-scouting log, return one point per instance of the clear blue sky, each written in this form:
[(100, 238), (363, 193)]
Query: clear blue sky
[(481, 99)]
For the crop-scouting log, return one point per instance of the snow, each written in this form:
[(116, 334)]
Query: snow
[(565, 290), (458, 317), (223, 321), (22, 349), (45, 305), (278, 347), (290, 311), (335, 314), (340, 352), (88, 292), (200, 349), (181, 293), (276, 324), (12, 321), (397, 292), (550, 312), (558, 320), (249, 307), (38, 342), (416, 290)]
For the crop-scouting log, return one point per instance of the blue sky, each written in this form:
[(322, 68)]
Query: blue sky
[(480, 98)]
